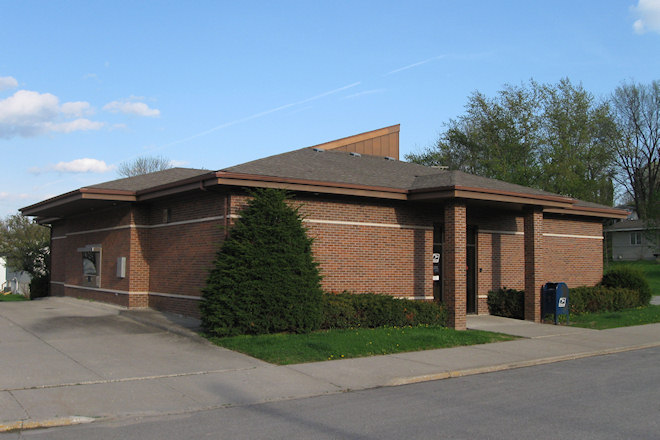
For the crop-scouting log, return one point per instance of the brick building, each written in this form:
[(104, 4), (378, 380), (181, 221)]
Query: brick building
[(380, 225)]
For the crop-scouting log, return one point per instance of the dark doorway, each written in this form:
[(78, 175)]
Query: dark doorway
[(438, 240), (471, 285)]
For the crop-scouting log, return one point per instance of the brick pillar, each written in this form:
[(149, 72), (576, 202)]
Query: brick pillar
[(533, 263), (454, 258), (137, 269)]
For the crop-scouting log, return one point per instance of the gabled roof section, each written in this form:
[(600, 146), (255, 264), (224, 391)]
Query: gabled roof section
[(629, 225), (326, 170), (151, 180), (336, 167), (113, 192)]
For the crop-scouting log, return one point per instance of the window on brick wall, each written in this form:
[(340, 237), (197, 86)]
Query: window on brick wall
[(91, 265), (635, 238)]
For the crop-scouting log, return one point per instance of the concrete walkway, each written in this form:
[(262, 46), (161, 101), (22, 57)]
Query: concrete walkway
[(65, 361)]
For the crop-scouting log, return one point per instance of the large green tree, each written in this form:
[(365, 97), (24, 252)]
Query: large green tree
[(24, 244), (555, 137), (264, 278)]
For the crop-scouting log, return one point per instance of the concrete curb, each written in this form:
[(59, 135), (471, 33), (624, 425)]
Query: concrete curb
[(511, 366), (23, 425)]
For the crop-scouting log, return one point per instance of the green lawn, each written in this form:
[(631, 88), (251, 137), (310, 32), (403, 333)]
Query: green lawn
[(623, 318), (650, 268), (12, 297), (286, 349)]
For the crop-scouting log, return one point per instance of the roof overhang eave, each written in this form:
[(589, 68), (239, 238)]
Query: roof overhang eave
[(314, 186), (590, 212), (69, 199), (486, 194)]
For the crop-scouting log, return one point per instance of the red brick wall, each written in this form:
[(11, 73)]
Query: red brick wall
[(359, 257), (500, 252), (500, 259), (575, 261), (393, 259), (181, 255)]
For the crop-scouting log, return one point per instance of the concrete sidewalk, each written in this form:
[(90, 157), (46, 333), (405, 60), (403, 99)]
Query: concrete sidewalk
[(65, 361)]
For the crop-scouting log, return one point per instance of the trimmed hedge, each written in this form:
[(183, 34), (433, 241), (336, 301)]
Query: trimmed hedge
[(509, 303), (628, 277), (347, 310), (586, 299)]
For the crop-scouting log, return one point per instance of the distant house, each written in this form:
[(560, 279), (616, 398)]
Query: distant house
[(3, 275), (631, 241), (379, 225)]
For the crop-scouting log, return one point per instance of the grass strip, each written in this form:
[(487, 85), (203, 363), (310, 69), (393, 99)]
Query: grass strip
[(284, 349), (12, 297), (623, 318)]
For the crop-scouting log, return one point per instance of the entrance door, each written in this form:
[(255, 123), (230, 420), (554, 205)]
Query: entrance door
[(471, 270), (438, 239)]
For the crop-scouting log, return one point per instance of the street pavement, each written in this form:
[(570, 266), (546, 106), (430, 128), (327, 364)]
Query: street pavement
[(66, 361)]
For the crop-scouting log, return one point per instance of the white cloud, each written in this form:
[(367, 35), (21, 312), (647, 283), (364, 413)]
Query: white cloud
[(7, 82), (85, 165), (11, 197), (27, 113), (81, 124), (648, 12), (78, 108), (131, 107)]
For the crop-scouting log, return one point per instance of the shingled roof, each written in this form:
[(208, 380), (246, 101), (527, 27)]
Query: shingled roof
[(343, 167), (151, 180), (322, 170)]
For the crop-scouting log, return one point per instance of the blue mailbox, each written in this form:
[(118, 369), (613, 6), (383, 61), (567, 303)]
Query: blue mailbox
[(554, 299)]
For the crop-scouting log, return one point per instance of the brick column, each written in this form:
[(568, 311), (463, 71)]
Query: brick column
[(137, 268), (454, 258), (533, 263)]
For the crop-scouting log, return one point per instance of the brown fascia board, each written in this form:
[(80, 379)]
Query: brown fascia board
[(358, 137), (463, 192), (590, 212), (250, 180), (108, 194), (192, 183), (79, 194)]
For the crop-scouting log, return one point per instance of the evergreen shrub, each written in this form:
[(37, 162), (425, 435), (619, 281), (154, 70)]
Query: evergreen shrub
[(347, 310), (509, 303), (264, 278)]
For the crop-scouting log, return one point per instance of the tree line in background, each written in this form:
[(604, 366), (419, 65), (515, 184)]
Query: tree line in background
[(25, 246), (559, 138)]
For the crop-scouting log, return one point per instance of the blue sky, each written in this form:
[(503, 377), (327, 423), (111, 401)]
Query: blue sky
[(209, 84)]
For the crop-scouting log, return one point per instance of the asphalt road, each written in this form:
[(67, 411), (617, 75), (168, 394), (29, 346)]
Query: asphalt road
[(607, 397)]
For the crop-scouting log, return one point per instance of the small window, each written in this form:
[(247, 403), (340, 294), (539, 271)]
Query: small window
[(167, 215), (635, 238), (91, 265)]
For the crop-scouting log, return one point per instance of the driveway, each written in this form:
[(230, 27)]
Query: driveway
[(58, 341), (62, 357)]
